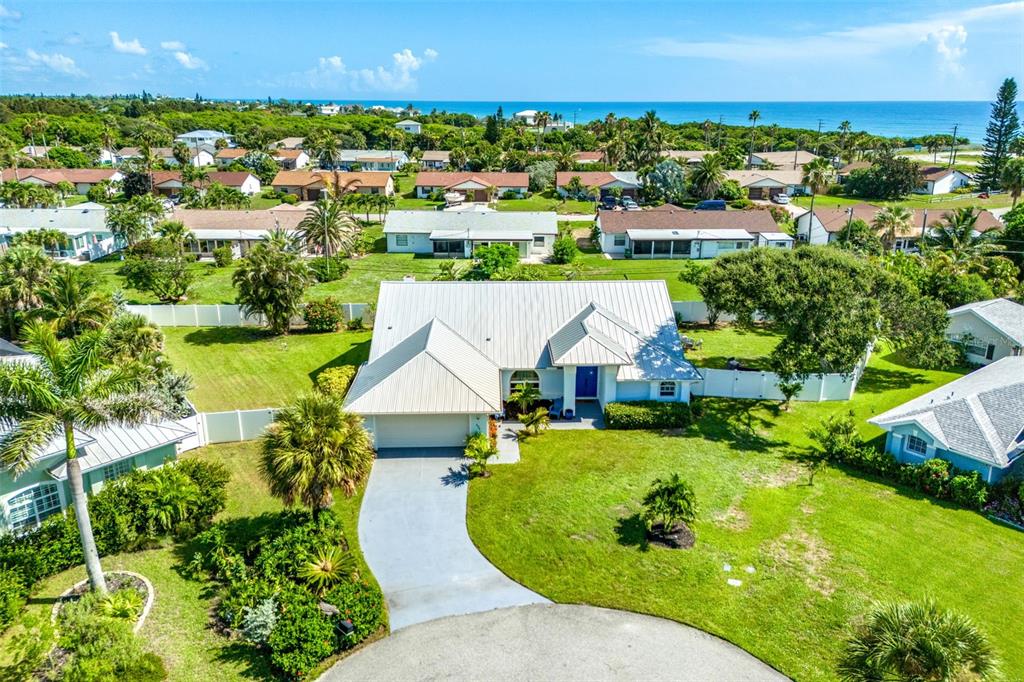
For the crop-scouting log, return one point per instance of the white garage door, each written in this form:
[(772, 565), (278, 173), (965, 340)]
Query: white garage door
[(422, 431)]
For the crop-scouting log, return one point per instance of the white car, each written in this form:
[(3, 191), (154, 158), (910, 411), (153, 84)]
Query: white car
[(781, 198)]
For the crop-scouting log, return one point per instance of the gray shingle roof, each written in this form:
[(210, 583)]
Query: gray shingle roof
[(979, 415), (1002, 314)]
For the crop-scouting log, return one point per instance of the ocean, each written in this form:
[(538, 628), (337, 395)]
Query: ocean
[(891, 119)]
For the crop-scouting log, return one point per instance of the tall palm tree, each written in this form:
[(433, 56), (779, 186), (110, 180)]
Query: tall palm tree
[(313, 447), (917, 642), (24, 272), (818, 175), (541, 121), (753, 117), (708, 176), (1012, 178), (565, 157), (893, 222), (957, 235), (72, 387), (707, 127), (328, 226), (614, 149), (653, 135), (73, 303)]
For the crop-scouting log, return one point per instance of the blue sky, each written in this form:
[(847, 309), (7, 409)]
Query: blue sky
[(679, 51)]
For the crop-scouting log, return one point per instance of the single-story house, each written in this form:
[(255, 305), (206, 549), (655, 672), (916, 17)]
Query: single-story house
[(169, 183), (605, 181), (941, 180), (289, 143), (227, 156), (765, 184), (238, 229), (83, 179), (457, 234), (843, 174), (308, 185), (672, 232), (684, 156), (527, 116), (585, 158), (976, 422), (85, 226), (794, 160), (290, 159), (389, 160), (990, 330), (201, 138), (445, 355), (410, 126), (435, 159), (828, 223), (473, 185), (39, 151), (197, 157)]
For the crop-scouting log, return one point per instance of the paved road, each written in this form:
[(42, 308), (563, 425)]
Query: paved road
[(551, 642), (412, 530)]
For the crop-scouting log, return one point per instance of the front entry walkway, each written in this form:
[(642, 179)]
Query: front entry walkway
[(412, 530)]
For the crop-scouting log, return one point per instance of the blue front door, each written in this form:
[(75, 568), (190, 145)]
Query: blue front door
[(586, 382)]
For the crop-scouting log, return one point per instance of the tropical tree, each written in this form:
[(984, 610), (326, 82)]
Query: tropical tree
[(914, 642), (329, 227), (72, 387), (957, 236), (753, 117), (536, 420), (1012, 178), (524, 396), (479, 449), (818, 175), (73, 303), (541, 121), (271, 280), (24, 273), (175, 232), (51, 239), (892, 222), (313, 447), (329, 566), (669, 501), (708, 176)]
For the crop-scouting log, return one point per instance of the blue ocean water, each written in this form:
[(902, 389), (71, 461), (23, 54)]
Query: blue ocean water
[(903, 119)]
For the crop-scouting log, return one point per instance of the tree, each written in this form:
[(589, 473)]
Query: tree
[(25, 272), (753, 117), (542, 175), (479, 450), (667, 182), (1003, 128), (328, 227), (524, 396), (818, 175), (913, 642), (261, 165), (669, 502), (893, 222), (889, 177), (271, 280), (163, 268), (491, 131), (181, 154), (492, 259), (72, 387), (1012, 178), (957, 236), (313, 447), (861, 238), (535, 421), (708, 176), (1011, 237), (73, 303)]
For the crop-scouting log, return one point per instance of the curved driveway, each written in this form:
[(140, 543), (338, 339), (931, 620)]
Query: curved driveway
[(551, 642), (412, 530)]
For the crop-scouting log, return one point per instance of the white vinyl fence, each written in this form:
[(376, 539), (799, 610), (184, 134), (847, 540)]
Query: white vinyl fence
[(233, 426), (218, 315)]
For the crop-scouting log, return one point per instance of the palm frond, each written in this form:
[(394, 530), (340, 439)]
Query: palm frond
[(25, 387), (20, 446)]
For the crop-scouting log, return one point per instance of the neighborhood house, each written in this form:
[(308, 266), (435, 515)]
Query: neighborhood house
[(766, 184), (989, 330), (435, 159), (83, 179), (604, 183), (457, 234), (941, 180), (827, 224), (84, 227), (474, 186), (170, 184), (239, 230), (308, 185)]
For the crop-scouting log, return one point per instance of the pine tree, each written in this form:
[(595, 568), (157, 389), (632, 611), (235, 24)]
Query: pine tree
[(1003, 127), (491, 133)]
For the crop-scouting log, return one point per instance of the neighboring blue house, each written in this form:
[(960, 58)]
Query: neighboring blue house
[(975, 423)]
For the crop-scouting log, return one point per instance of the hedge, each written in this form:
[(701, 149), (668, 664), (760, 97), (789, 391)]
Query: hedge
[(647, 414), (336, 380)]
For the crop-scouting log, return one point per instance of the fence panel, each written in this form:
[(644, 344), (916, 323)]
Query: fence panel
[(728, 383), (220, 315)]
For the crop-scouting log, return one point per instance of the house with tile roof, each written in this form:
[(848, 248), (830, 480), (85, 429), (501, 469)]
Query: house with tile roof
[(765, 184), (239, 230), (83, 179), (794, 160), (435, 159), (976, 422), (606, 182), (446, 355), (170, 184), (989, 330), (309, 185), (475, 186)]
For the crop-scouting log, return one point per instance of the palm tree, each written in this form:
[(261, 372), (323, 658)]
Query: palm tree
[(524, 396), (753, 116), (328, 226), (818, 175), (708, 176), (312, 447), (72, 387), (24, 272), (73, 303), (1012, 178), (565, 157), (271, 280), (893, 221), (669, 502), (535, 421), (707, 127), (917, 642), (653, 135), (958, 237), (541, 121)]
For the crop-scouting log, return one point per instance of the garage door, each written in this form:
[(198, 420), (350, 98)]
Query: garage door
[(422, 431)]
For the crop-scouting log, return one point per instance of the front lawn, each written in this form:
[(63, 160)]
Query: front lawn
[(939, 201), (750, 346), (241, 368), (179, 628), (547, 200), (564, 523)]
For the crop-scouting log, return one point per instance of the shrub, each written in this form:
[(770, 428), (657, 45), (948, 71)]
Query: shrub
[(323, 315), (223, 256), (336, 380), (932, 477), (478, 450), (969, 490), (564, 250), (329, 268), (258, 621), (510, 194), (12, 596), (360, 603), (290, 199), (303, 635), (647, 414), (741, 203)]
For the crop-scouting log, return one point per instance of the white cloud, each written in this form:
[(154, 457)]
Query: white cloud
[(399, 77), (3, 46), (7, 13), (56, 61), (189, 61), (132, 46), (946, 31), (172, 45)]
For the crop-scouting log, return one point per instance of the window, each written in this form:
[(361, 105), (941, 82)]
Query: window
[(667, 389), (401, 240), (619, 240), (524, 376), (915, 445), (117, 469), (453, 248), (28, 508), (742, 245), (990, 351), (538, 240)]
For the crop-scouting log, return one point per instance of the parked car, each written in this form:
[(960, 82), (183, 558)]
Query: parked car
[(609, 202), (629, 204), (781, 198), (710, 205)]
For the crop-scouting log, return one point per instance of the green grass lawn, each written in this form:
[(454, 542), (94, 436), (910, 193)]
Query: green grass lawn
[(259, 203), (212, 284), (941, 201), (179, 627), (750, 346), (240, 368), (564, 523), (546, 201)]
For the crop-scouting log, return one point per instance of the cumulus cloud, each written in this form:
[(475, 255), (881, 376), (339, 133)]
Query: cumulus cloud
[(398, 76), (56, 62), (3, 46), (172, 45), (8, 13), (949, 44), (189, 61), (132, 46)]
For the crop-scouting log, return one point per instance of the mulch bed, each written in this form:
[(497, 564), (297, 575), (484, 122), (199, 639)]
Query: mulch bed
[(679, 537)]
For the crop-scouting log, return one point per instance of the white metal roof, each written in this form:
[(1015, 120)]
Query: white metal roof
[(425, 222), (71, 218), (688, 235), (777, 236), (115, 443)]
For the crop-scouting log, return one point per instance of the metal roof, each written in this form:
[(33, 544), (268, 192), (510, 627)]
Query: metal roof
[(777, 236), (72, 218), (425, 222), (980, 415), (115, 443), (689, 235), (1004, 315)]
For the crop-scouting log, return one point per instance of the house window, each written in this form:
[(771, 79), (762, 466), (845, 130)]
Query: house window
[(916, 446), (619, 240), (28, 508), (117, 469), (741, 245), (538, 240), (667, 389), (401, 240), (990, 351), (524, 376)]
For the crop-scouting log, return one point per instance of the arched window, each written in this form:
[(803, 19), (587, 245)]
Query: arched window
[(524, 376)]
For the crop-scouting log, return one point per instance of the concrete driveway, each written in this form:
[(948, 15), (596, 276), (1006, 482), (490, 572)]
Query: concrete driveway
[(412, 530), (551, 642)]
